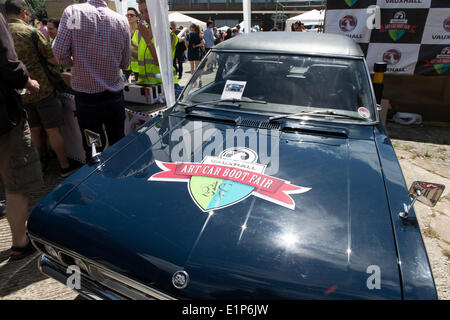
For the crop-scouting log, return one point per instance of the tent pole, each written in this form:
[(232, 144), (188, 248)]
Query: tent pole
[(247, 9)]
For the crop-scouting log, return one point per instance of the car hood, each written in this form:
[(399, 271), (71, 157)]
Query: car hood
[(333, 240)]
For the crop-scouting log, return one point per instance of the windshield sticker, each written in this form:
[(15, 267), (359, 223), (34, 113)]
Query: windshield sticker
[(219, 182), (233, 90), (364, 113)]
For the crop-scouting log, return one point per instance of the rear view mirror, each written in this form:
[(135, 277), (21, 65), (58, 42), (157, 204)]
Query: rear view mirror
[(428, 193), (93, 140)]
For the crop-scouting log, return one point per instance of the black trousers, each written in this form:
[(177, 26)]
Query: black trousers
[(178, 65), (94, 110)]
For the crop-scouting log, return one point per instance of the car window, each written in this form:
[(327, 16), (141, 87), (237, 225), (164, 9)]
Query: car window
[(288, 83)]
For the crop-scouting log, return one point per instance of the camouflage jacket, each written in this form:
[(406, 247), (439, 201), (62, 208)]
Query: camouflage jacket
[(26, 52)]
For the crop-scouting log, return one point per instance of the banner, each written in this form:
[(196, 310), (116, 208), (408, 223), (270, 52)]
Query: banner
[(412, 36)]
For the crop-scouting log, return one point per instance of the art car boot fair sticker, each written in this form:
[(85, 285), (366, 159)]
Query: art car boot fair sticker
[(364, 113), (219, 182)]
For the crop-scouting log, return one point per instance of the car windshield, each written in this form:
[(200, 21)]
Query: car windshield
[(287, 84)]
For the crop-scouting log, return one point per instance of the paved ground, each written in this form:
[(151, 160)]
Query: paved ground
[(419, 159)]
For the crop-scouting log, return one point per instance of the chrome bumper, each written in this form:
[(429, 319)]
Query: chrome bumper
[(89, 289)]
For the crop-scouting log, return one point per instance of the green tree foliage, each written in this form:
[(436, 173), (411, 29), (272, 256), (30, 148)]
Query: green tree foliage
[(36, 4)]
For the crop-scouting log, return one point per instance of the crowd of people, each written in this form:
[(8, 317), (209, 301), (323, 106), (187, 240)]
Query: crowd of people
[(196, 44), (96, 43), (100, 47)]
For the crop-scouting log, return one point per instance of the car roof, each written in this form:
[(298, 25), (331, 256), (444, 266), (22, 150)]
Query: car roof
[(294, 42)]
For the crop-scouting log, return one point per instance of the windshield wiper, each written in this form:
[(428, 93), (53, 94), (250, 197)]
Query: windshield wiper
[(247, 100), (316, 112)]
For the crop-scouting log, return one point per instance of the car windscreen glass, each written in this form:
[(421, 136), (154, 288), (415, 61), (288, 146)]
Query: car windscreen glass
[(288, 83)]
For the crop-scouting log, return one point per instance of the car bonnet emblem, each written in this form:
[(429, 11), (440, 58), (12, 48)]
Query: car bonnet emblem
[(219, 182), (180, 279)]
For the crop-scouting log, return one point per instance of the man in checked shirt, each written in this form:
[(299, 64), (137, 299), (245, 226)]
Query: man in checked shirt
[(96, 41)]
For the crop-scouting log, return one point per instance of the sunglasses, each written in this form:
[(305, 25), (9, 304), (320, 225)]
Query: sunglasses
[(130, 15)]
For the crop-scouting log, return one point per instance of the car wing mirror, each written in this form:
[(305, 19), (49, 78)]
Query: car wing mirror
[(429, 193), (426, 192), (93, 140)]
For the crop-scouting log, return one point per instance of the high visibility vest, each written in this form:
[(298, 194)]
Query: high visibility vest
[(147, 68), (134, 65), (174, 44)]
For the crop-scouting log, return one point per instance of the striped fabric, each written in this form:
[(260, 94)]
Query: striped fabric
[(99, 42)]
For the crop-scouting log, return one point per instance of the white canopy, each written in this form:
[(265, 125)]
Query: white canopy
[(223, 29), (121, 6), (184, 20), (158, 12), (313, 17)]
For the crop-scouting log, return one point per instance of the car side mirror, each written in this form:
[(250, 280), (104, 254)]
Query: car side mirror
[(426, 192), (93, 140), (429, 193), (379, 107)]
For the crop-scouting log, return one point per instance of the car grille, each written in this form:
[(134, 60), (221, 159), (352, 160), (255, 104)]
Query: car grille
[(259, 124), (112, 280)]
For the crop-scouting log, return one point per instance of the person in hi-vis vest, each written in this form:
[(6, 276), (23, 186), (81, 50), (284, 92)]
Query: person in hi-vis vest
[(147, 57), (133, 19)]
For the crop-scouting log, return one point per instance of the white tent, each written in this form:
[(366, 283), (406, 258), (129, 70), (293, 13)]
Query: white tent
[(223, 29), (313, 17), (184, 20), (121, 6)]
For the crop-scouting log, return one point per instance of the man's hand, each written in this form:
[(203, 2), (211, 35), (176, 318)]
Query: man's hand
[(146, 33), (135, 54), (32, 86)]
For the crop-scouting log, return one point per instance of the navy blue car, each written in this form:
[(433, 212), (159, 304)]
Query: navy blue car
[(291, 190)]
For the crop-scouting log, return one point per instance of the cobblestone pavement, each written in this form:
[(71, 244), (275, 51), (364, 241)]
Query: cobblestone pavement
[(419, 161)]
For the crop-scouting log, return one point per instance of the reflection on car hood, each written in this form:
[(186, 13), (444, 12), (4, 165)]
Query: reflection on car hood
[(323, 247)]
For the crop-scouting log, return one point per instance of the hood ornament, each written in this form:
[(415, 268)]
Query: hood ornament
[(180, 279)]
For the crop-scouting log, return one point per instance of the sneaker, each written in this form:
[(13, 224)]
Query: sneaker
[(2, 209), (64, 173)]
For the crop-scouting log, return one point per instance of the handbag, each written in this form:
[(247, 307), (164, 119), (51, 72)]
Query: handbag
[(53, 76)]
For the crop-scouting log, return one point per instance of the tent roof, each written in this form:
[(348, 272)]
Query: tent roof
[(180, 18), (310, 16)]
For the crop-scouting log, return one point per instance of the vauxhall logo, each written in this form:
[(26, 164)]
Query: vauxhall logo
[(347, 24), (392, 57), (446, 35), (447, 24)]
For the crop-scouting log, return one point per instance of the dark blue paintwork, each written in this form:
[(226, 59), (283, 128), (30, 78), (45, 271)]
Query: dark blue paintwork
[(147, 230)]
